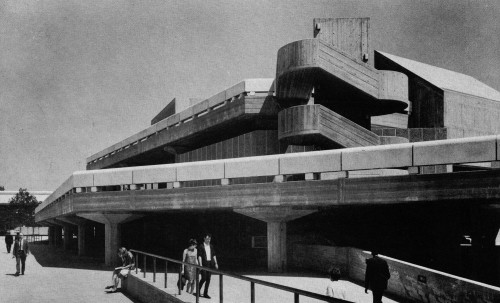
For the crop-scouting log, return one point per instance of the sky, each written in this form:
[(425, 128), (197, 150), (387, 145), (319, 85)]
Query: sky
[(78, 76)]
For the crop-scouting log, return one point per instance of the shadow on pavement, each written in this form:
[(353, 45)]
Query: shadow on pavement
[(48, 256)]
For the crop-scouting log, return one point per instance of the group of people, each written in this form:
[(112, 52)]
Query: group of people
[(376, 276), (203, 255), (20, 251)]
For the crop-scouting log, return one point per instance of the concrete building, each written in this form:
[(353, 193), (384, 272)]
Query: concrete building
[(328, 154)]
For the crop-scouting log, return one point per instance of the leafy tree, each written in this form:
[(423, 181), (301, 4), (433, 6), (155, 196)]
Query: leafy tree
[(2, 188), (22, 208)]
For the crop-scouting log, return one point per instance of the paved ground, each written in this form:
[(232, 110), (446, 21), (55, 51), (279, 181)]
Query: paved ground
[(52, 276), (55, 276)]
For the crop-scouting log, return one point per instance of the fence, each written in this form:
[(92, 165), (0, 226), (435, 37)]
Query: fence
[(297, 292)]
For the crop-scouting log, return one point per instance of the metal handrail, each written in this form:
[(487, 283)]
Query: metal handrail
[(297, 292)]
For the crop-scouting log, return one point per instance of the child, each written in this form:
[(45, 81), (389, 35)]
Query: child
[(334, 288)]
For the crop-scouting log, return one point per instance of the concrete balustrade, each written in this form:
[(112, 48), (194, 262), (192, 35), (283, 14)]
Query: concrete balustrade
[(115, 176), (330, 164), (383, 156), (203, 170), (465, 150), (321, 161), (252, 167), (154, 174)]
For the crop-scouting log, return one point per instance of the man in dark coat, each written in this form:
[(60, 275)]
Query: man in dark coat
[(376, 276), (207, 258), (8, 241), (20, 251)]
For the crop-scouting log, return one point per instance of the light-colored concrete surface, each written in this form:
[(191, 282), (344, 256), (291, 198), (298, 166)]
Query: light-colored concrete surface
[(385, 156), (45, 281), (252, 167)]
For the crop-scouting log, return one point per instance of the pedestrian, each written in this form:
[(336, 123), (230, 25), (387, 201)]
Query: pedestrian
[(376, 276), (8, 241), (20, 251), (334, 288), (122, 272), (207, 258), (190, 255)]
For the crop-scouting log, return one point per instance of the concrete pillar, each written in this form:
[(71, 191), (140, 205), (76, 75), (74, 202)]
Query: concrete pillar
[(51, 235), (276, 218), (57, 235), (112, 239), (81, 239), (276, 246), (67, 237)]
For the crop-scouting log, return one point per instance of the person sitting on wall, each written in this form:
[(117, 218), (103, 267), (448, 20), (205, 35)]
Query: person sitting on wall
[(335, 289), (121, 272)]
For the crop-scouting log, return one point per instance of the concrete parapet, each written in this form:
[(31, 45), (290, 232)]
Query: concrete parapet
[(83, 179), (154, 174), (252, 167), (217, 99), (206, 170), (116, 176), (250, 85), (384, 156), (173, 120), (319, 161), (466, 150), (146, 292)]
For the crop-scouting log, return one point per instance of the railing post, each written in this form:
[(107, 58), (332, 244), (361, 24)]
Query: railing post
[(144, 270), (180, 279), (197, 285), (252, 292), (154, 270), (221, 289), (296, 297), (166, 272), (136, 262)]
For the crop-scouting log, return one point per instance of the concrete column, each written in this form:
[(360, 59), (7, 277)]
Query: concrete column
[(51, 235), (276, 246), (112, 242), (57, 235), (67, 237), (276, 218), (81, 239), (112, 239)]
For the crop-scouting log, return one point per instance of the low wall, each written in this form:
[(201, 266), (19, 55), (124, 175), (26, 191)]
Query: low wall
[(145, 292), (409, 282)]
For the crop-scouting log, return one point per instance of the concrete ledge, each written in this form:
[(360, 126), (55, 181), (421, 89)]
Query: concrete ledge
[(311, 162), (217, 99), (465, 150), (252, 167), (205, 170), (83, 179), (384, 156), (145, 292), (115, 176), (154, 174)]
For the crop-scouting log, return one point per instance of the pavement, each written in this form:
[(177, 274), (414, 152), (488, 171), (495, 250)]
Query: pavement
[(53, 275)]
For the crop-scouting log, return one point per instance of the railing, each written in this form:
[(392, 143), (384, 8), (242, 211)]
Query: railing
[(296, 292), (323, 164)]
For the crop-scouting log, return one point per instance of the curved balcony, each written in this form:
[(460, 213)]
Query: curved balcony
[(316, 124), (337, 78)]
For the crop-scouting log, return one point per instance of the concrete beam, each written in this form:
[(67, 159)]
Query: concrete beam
[(274, 214)]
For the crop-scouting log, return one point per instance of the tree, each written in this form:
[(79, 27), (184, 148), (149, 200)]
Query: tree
[(22, 208), (2, 188)]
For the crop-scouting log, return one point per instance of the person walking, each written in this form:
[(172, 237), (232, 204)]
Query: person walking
[(190, 255), (206, 257), (8, 241), (20, 251), (376, 276)]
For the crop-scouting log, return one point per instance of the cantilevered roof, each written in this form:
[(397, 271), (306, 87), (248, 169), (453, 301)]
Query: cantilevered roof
[(446, 79)]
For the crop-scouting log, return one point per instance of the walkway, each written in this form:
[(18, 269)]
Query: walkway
[(58, 277), (52, 276)]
